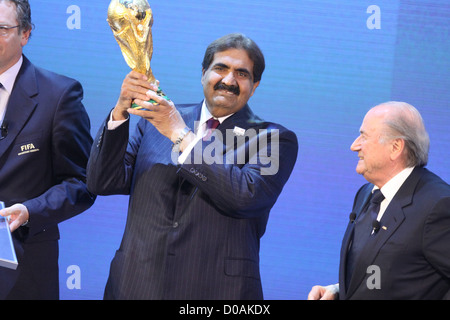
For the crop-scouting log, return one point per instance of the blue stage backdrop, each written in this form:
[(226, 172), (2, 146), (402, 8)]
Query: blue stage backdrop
[(328, 62)]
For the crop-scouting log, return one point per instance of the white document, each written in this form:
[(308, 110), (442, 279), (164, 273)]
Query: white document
[(8, 257)]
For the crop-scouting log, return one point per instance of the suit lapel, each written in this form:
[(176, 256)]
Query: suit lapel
[(191, 116), (392, 218), (21, 103), (359, 206), (244, 119)]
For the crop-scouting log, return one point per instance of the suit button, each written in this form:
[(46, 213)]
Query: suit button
[(175, 225)]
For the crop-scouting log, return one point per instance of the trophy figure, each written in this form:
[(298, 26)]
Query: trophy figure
[(131, 22)]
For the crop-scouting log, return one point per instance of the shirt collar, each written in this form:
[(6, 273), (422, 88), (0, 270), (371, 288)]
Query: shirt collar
[(8, 77), (205, 115), (392, 186)]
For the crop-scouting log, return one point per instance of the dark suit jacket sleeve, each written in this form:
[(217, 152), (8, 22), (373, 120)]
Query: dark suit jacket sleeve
[(71, 142), (247, 190), (436, 237), (111, 163)]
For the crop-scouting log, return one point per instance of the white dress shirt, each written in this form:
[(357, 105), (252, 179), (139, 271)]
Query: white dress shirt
[(199, 130), (390, 189), (7, 80)]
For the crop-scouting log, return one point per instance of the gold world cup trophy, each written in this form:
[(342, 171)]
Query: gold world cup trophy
[(131, 22)]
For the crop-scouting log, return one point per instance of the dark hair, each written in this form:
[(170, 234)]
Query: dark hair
[(237, 41), (23, 12)]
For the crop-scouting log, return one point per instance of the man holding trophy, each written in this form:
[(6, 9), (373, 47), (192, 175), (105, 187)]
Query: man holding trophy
[(194, 225)]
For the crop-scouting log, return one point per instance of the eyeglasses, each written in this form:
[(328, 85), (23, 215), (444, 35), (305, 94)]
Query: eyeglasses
[(4, 30)]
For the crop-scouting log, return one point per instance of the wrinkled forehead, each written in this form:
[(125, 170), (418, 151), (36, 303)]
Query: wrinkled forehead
[(235, 57), (8, 12), (373, 122)]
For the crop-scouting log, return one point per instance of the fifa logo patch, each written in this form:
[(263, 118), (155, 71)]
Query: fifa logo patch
[(27, 148)]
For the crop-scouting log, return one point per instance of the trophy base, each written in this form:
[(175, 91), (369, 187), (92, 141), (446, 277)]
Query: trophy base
[(159, 93)]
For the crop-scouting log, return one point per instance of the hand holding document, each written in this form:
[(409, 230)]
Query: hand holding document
[(8, 257)]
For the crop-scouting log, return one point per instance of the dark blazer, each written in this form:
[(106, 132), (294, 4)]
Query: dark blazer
[(43, 166), (193, 230), (411, 248)]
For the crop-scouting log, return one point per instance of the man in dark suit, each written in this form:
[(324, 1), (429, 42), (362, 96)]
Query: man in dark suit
[(199, 204), (44, 147), (402, 252)]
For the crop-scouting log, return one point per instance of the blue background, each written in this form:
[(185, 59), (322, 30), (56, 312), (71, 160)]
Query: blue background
[(325, 69)]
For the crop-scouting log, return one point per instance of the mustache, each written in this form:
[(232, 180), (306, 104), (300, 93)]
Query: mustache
[(223, 86)]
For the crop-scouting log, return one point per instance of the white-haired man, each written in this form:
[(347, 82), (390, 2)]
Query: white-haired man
[(401, 251)]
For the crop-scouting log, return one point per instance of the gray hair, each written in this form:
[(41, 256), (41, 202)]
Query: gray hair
[(406, 123)]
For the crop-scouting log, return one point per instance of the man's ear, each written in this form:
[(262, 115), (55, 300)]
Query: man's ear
[(25, 37), (397, 148), (203, 75), (255, 85)]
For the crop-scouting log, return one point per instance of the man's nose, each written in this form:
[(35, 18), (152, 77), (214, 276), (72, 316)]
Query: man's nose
[(229, 79), (356, 145)]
